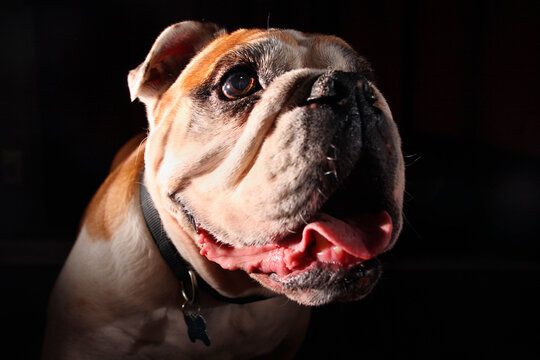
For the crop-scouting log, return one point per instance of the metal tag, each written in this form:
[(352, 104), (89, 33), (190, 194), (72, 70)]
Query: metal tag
[(195, 322), (196, 325)]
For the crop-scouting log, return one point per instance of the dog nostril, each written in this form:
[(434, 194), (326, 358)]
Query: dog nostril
[(322, 92), (368, 93), (327, 89)]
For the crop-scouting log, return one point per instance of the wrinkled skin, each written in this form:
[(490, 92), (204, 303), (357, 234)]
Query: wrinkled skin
[(254, 170)]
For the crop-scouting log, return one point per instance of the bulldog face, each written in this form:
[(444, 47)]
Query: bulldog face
[(279, 151)]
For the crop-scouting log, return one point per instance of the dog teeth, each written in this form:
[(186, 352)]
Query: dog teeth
[(337, 250)]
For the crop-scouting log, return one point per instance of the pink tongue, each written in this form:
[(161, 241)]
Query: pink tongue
[(364, 237), (328, 240)]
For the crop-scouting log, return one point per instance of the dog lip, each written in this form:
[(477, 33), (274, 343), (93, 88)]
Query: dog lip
[(323, 275), (323, 283)]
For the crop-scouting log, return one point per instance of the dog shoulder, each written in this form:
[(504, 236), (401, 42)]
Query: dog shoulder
[(110, 205)]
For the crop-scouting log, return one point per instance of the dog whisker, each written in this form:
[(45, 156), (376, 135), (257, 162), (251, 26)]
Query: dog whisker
[(332, 172), (335, 153), (408, 196), (322, 194), (411, 226), (414, 158)]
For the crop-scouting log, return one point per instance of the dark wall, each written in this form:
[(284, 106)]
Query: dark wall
[(461, 78)]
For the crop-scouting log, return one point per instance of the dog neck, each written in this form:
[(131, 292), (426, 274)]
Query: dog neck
[(179, 267)]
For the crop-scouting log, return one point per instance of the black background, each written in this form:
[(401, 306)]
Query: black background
[(461, 78)]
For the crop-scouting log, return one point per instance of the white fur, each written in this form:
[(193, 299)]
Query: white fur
[(131, 307)]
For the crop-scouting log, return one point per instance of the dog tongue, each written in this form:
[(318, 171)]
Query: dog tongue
[(327, 240), (364, 237)]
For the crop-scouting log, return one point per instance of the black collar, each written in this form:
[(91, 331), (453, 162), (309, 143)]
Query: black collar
[(177, 264)]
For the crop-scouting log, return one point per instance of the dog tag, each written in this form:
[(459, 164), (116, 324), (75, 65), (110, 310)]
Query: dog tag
[(196, 325)]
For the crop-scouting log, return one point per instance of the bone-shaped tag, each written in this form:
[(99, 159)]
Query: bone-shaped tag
[(196, 326)]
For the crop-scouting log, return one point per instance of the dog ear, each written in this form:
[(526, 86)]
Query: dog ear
[(171, 52)]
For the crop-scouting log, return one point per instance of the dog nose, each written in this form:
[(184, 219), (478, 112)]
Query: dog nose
[(335, 86), (330, 87)]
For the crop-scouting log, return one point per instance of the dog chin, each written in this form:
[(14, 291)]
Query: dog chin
[(323, 284)]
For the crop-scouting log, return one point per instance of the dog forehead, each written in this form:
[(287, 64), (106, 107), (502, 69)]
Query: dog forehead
[(309, 40), (297, 49), (322, 51), (300, 49), (303, 43)]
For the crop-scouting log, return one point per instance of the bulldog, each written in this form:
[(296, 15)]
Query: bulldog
[(273, 171)]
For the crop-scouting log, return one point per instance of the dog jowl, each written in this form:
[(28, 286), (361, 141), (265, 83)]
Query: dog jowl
[(275, 167)]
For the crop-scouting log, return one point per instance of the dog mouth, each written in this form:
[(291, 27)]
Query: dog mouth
[(326, 242), (328, 259)]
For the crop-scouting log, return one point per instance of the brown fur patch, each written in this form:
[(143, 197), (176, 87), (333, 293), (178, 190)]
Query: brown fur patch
[(126, 150), (201, 70), (109, 206)]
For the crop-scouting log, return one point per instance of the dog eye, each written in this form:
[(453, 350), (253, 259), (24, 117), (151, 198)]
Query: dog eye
[(239, 84)]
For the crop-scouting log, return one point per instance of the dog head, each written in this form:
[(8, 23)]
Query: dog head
[(280, 150)]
